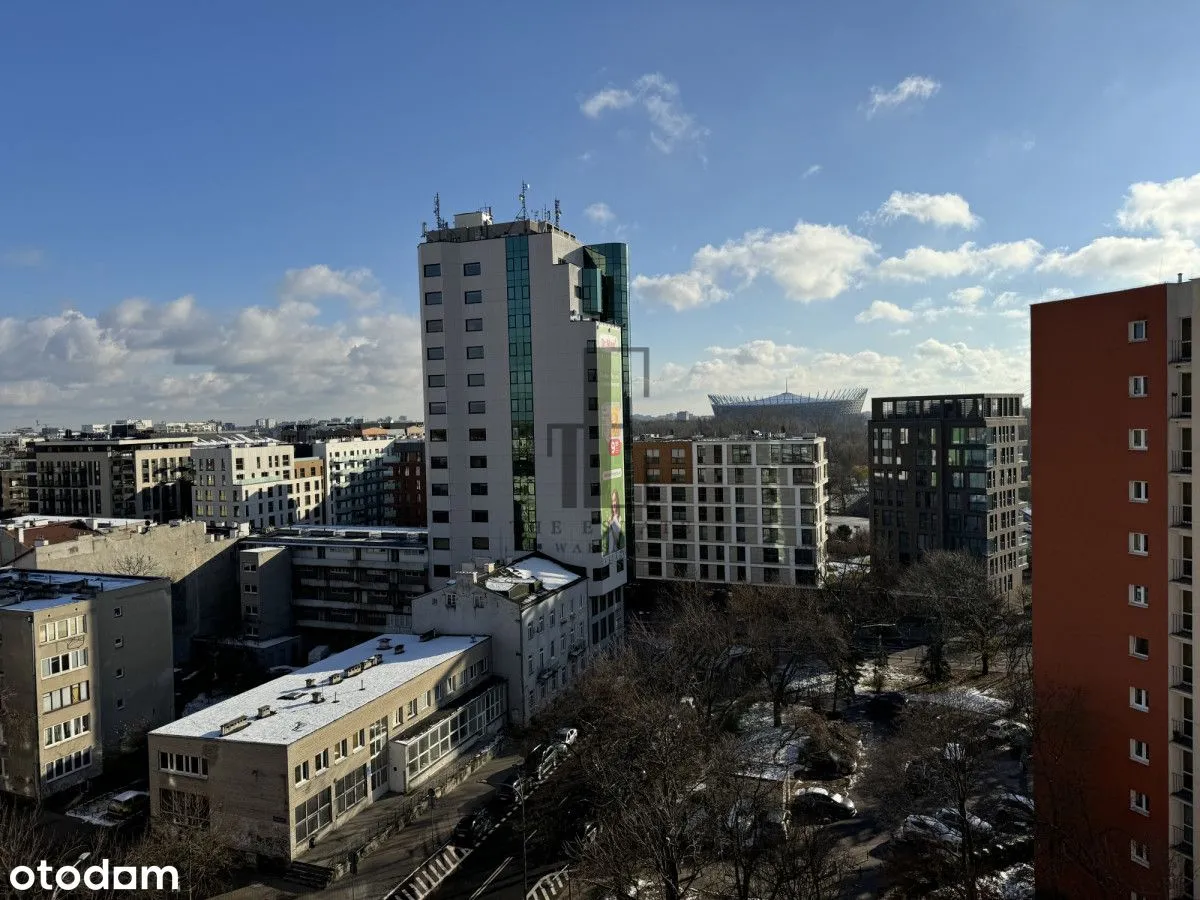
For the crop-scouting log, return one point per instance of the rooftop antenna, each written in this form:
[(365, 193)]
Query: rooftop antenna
[(523, 215), (440, 223), (557, 212)]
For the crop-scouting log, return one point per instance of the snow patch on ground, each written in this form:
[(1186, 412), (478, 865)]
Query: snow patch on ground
[(96, 812), (1010, 884), (893, 678), (768, 752), (968, 699)]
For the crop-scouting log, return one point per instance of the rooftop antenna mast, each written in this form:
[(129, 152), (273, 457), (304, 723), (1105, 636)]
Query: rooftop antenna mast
[(557, 212), (437, 212), (523, 215)]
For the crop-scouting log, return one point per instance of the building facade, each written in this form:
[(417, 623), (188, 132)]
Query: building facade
[(240, 479), (284, 765), (307, 491), (406, 504), (85, 672), (731, 511), (128, 478), (527, 395), (1113, 629), (357, 479), (945, 474), (334, 585), (539, 616)]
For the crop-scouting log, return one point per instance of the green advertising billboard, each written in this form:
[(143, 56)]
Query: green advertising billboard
[(613, 515)]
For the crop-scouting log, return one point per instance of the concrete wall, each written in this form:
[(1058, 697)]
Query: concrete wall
[(203, 572)]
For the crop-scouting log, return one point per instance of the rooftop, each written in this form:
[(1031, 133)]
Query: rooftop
[(383, 535), (26, 591), (91, 523), (359, 676), (852, 396), (478, 226), (233, 440), (530, 576)]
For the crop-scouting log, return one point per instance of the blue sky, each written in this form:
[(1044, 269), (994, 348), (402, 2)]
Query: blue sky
[(213, 211)]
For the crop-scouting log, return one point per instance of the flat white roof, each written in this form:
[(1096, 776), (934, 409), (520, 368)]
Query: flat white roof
[(93, 522), (14, 583), (298, 716), (530, 569)]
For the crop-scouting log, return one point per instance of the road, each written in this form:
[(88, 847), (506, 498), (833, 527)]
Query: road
[(498, 858)]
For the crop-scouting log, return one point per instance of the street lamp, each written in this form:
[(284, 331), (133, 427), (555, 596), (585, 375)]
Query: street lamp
[(82, 857), (524, 843)]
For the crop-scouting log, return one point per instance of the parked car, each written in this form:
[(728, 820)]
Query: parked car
[(954, 819), (567, 736), (1006, 731), (129, 805), (513, 789), (817, 804), (473, 828), (772, 829), (541, 760), (928, 830), (886, 707), (1010, 812), (825, 764)]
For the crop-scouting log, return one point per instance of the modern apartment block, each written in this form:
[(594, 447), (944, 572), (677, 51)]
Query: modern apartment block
[(307, 491), (740, 510), (14, 478), (945, 475), (128, 478), (1113, 629), (335, 585), (539, 616), (357, 474), (86, 670), (242, 479), (406, 505), (286, 764), (527, 394)]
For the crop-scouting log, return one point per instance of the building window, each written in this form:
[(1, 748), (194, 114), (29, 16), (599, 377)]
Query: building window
[(474, 324), (433, 298), (477, 434), (117, 611), (478, 462), (1138, 751), (314, 814), (474, 353), (1137, 386), (65, 662), (321, 761), (182, 764), (437, 381), (433, 326), (437, 408), (341, 750), (350, 790), (439, 462), (72, 728), (66, 696), (1137, 330), (441, 543), (473, 297), (72, 762), (480, 543), (441, 516), (1138, 439), (471, 268), (479, 515), (1140, 854), (475, 379), (435, 353), (1139, 699), (1139, 647), (301, 773), (437, 435), (479, 488), (433, 270), (1139, 802), (1139, 491), (477, 407), (1139, 595), (1139, 543)]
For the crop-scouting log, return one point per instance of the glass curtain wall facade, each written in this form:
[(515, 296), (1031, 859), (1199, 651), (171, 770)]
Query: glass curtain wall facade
[(520, 381)]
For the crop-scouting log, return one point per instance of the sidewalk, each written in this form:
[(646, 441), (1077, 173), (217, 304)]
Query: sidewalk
[(402, 854)]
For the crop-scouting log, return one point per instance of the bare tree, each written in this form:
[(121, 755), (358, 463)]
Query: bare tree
[(186, 836), (951, 590), (810, 865), (138, 565)]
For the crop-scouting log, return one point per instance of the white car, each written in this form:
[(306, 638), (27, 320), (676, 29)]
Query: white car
[(1009, 731), (927, 829), (567, 736), (951, 818)]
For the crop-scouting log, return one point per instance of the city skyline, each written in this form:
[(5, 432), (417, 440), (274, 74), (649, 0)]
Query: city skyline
[(233, 237)]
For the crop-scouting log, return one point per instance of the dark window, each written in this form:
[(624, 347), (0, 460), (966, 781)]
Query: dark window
[(475, 379), (654, 570), (474, 353), (437, 435), (653, 494), (433, 326), (437, 408), (473, 297), (441, 543), (439, 490), (474, 324), (439, 462), (471, 268), (479, 488), (433, 298), (477, 434), (437, 380), (441, 516), (440, 570), (433, 270), (477, 406), (478, 462), (435, 352), (593, 403), (480, 543), (479, 515)]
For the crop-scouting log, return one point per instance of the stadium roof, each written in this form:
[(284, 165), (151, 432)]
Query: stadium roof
[(845, 397)]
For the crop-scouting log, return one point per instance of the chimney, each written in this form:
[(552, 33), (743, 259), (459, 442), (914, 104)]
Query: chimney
[(1181, 278), (264, 711), (317, 698), (385, 643), (399, 649), (310, 682)]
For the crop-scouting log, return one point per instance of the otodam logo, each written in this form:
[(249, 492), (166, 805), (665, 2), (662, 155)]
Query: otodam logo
[(99, 877)]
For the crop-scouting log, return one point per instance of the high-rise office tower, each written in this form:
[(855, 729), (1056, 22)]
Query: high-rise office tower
[(1112, 586), (525, 346)]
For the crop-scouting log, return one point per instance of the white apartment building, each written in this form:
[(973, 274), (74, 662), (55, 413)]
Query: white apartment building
[(538, 615), (742, 510), (526, 398), (357, 478), (242, 479)]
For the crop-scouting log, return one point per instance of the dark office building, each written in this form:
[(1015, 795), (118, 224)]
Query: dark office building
[(945, 474)]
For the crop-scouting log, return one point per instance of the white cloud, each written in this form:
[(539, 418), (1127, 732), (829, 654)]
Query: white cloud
[(900, 332), (810, 262), (914, 88), (1014, 313), (811, 171), (943, 210), (671, 125), (1171, 207), (356, 286), (923, 263), (22, 257), (1008, 299), (600, 213), (968, 296), (1128, 259), (884, 310)]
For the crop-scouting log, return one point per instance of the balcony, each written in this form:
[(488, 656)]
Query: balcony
[(1181, 679), (1181, 571), (1181, 406), (1181, 625), (1181, 516), (1182, 731), (1182, 786), (1179, 351), (1183, 838), (1181, 462)]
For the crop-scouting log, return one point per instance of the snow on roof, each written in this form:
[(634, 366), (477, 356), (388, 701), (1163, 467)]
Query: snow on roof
[(295, 715), (527, 571), (94, 522), (31, 591)]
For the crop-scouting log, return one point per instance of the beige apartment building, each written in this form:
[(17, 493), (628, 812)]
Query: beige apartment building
[(285, 764), (85, 670), (306, 492), (131, 478), (242, 479)]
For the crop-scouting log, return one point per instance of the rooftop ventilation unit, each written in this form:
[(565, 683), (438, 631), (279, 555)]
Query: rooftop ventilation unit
[(317, 697), (233, 725), (399, 648), (265, 711), (385, 643)]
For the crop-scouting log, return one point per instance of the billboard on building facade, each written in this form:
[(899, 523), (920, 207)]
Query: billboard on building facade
[(613, 515)]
